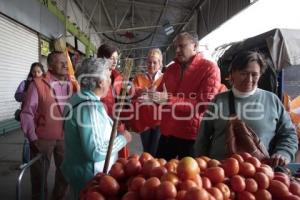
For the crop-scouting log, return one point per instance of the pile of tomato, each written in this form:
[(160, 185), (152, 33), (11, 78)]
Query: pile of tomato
[(241, 177)]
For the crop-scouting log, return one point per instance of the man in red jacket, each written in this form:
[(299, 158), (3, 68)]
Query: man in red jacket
[(188, 85)]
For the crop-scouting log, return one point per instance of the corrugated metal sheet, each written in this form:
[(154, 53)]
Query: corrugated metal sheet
[(213, 13), (19, 48)]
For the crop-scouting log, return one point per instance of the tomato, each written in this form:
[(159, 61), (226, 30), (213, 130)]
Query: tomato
[(162, 161), (247, 169), (180, 195), (263, 194), (169, 176), (147, 191), (206, 183), (187, 168), (201, 163), (108, 186), (278, 189), (148, 166), (237, 157), (213, 163), (215, 174), (122, 161), (254, 161), (166, 190), (245, 195), (198, 180), (133, 167), (145, 157), (171, 166), (196, 194), (216, 193), (295, 188), (131, 196), (136, 183), (158, 172), (237, 183), (94, 196), (231, 167), (117, 171), (292, 197), (186, 185), (284, 178), (245, 155), (262, 180), (251, 185), (205, 158), (134, 156), (266, 170), (224, 189)]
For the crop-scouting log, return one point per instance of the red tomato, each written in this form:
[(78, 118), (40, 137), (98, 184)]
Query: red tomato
[(131, 196), (148, 166), (206, 183), (245, 195), (216, 193), (158, 172), (254, 161), (136, 183), (224, 189), (237, 157), (166, 190), (295, 188), (201, 163), (180, 195), (148, 190), (263, 194), (213, 163), (108, 186), (237, 183), (215, 174), (278, 189), (169, 176), (145, 157), (117, 171), (196, 194), (133, 167), (186, 185), (251, 185), (247, 169), (94, 196), (245, 155), (231, 167), (262, 180)]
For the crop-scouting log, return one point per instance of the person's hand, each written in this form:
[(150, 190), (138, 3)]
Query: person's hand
[(159, 97), (127, 136), (278, 160)]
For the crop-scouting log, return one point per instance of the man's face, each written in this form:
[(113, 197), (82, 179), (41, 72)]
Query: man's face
[(185, 49), (59, 66)]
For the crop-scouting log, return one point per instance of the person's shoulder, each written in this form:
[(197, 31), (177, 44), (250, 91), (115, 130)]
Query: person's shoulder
[(222, 95)]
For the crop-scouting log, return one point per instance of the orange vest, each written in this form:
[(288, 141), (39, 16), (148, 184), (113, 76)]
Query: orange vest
[(141, 81), (49, 116)]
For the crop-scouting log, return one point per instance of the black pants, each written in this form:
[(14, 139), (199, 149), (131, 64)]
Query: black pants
[(150, 139), (173, 147)]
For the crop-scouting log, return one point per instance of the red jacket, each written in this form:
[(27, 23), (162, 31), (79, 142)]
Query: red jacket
[(198, 83)]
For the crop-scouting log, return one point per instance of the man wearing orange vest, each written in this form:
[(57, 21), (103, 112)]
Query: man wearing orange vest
[(42, 122)]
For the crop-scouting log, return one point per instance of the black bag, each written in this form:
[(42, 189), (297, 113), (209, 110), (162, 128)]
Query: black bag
[(17, 114)]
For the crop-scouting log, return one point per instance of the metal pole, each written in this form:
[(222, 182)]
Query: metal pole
[(23, 169)]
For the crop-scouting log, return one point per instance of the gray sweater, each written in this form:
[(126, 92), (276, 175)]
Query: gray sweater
[(262, 111)]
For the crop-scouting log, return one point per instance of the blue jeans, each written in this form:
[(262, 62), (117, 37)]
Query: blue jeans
[(150, 139), (26, 151)]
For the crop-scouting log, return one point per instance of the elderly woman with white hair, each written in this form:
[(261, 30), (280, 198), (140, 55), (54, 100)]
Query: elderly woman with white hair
[(87, 126)]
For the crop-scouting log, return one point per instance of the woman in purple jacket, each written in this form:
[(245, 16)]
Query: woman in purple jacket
[(36, 70)]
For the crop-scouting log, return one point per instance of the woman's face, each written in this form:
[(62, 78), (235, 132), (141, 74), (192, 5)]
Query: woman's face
[(106, 83), (246, 80), (114, 58), (153, 64), (36, 72)]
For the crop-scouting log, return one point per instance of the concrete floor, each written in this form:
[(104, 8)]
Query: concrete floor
[(10, 159)]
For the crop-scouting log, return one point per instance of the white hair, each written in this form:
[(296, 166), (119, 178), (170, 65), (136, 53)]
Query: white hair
[(92, 70)]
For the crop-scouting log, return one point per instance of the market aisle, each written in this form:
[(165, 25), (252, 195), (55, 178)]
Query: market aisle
[(10, 160)]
